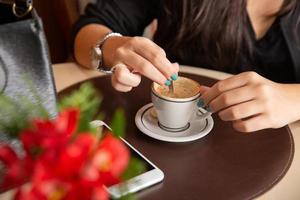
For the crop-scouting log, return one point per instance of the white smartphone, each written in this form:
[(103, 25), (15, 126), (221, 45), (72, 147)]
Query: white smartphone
[(151, 176)]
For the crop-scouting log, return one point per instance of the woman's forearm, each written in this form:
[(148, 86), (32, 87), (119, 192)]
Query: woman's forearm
[(86, 38)]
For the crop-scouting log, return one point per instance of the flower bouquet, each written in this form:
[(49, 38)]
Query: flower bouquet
[(65, 157)]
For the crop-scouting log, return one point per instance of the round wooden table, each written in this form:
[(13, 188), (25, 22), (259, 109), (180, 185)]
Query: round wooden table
[(67, 74)]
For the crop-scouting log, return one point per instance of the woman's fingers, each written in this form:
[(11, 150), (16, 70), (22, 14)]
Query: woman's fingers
[(119, 86), (175, 67), (144, 56), (228, 84), (241, 111), (123, 80), (144, 67), (203, 89), (232, 97), (250, 101), (125, 77), (256, 123), (156, 56)]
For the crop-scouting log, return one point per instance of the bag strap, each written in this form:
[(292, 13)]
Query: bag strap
[(20, 8)]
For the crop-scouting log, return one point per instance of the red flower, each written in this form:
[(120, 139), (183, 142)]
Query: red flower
[(111, 159), (87, 190), (69, 161), (16, 170), (63, 164), (62, 177), (54, 189), (47, 134), (59, 176)]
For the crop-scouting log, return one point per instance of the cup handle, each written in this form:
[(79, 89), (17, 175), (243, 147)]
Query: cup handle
[(201, 115)]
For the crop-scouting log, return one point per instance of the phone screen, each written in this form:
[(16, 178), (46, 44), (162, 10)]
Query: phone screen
[(137, 164), (135, 155), (140, 174)]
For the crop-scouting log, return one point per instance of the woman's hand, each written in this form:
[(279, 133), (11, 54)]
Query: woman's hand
[(132, 56), (253, 103)]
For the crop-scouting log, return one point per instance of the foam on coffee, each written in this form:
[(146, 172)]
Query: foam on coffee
[(183, 88)]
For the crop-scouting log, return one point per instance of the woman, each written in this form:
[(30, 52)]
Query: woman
[(235, 36)]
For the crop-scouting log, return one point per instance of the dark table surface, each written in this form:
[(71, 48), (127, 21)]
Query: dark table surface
[(223, 165)]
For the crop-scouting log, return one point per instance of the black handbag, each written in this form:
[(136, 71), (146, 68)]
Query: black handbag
[(24, 55)]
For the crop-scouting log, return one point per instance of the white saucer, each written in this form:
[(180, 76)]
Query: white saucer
[(148, 124)]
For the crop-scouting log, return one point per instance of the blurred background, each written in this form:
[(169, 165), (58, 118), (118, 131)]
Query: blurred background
[(58, 17)]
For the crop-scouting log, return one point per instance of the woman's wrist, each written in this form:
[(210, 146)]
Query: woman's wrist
[(109, 49), (291, 100), (85, 39), (98, 54)]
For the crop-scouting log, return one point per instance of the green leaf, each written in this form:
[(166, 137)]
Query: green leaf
[(118, 123), (17, 113), (87, 100)]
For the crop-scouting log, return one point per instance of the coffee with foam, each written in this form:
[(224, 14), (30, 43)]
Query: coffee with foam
[(183, 88)]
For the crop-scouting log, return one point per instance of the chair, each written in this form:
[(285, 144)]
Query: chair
[(58, 17)]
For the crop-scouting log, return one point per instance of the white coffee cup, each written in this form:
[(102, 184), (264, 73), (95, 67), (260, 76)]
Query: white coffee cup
[(174, 114)]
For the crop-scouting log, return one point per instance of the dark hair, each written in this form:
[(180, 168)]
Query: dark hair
[(217, 27)]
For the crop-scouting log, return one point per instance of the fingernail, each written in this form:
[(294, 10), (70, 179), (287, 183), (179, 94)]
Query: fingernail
[(168, 83), (174, 77), (200, 103)]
